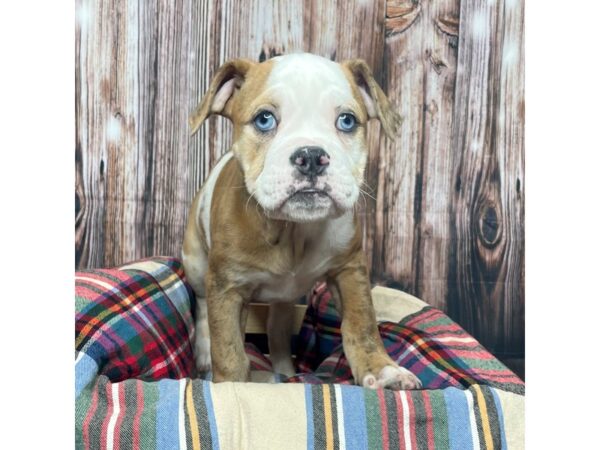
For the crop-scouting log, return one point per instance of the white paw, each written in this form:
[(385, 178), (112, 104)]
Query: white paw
[(392, 377), (202, 353), (284, 366)]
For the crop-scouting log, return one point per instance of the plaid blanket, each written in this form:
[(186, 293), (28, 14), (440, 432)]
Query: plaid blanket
[(136, 384)]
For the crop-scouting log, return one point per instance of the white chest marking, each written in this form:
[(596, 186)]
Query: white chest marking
[(326, 241)]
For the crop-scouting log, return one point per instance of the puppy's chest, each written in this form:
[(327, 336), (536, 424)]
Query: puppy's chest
[(296, 282), (300, 264)]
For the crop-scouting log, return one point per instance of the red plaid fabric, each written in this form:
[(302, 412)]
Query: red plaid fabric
[(428, 343), (136, 324)]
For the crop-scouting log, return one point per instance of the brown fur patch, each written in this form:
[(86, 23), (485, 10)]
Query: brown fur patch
[(362, 343), (359, 73)]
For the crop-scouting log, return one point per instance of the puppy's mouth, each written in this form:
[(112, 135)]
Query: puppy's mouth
[(308, 203), (308, 193), (309, 198)]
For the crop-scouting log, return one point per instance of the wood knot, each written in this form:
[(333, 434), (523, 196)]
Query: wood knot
[(432, 108), (457, 184), (77, 204), (400, 15), (449, 26), (437, 61), (489, 226), (427, 231)]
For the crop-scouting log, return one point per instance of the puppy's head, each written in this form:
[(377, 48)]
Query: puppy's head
[(299, 130)]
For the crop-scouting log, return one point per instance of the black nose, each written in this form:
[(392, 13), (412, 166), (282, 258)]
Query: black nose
[(310, 161)]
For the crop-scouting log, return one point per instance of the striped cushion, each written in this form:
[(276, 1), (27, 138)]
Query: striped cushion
[(136, 385)]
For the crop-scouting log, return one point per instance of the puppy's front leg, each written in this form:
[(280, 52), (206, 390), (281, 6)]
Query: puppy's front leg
[(225, 317), (370, 364), (279, 333)]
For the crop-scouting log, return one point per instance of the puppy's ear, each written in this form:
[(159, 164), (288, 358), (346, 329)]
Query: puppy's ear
[(228, 78), (378, 105)]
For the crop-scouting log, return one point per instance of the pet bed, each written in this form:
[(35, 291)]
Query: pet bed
[(136, 385)]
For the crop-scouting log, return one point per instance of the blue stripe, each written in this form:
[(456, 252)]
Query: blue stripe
[(355, 418), (86, 370), (211, 416), (310, 428), (500, 417), (459, 427), (167, 414)]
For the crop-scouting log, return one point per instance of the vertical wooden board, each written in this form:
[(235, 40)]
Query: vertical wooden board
[(433, 195), (487, 263), (344, 30), (511, 160), (170, 154), (83, 205), (144, 70), (93, 24), (396, 239), (124, 150), (199, 39), (106, 132), (320, 23)]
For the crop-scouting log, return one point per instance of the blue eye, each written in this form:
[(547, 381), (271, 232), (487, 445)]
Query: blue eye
[(346, 122), (265, 121)]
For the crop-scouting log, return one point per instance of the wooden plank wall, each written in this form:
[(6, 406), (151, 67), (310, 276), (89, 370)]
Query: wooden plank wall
[(446, 219)]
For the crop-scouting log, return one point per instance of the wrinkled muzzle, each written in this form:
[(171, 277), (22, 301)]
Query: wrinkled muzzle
[(307, 182)]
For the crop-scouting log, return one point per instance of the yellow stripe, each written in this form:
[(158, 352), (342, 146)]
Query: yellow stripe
[(169, 281), (485, 421), (328, 417), (189, 401)]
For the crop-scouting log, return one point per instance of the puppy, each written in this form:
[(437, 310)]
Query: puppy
[(277, 212)]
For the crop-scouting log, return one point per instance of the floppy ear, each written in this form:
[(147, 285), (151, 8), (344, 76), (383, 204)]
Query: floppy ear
[(378, 105), (228, 78)]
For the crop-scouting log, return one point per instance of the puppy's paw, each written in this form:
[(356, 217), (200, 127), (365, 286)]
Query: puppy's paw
[(392, 377), (202, 354), (284, 366)]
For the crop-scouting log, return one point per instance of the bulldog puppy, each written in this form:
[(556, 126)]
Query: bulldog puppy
[(277, 213)]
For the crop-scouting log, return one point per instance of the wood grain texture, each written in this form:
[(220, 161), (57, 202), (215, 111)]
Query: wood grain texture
[(486, 270), (444, 203), (437, 159), (422, 72), (415, 174), (131, 134), (395, 231)]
